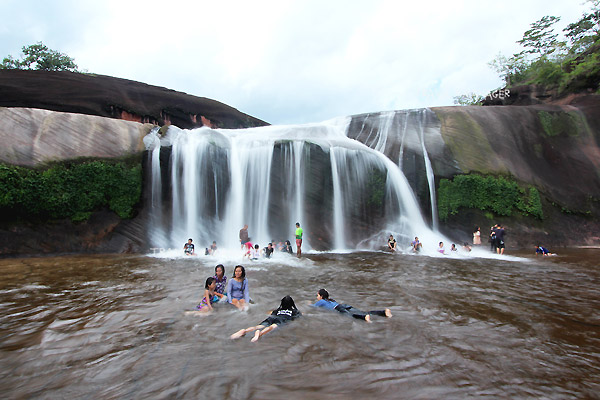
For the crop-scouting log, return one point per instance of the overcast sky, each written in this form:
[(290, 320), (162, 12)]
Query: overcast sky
[(288, 62)]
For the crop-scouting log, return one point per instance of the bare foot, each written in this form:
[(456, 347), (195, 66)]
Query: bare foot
[(388, 313), (368, 318), (256, 336), (238, 334)]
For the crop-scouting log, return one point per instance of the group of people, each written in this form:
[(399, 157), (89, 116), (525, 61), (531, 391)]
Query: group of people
[(217, 288), (287, 312), (253, 252), (189, 248), (236, 292), (416, 246)]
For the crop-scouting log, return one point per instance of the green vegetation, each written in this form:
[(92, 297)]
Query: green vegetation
[(570, 64), (39, 57), (376, 188), (567, 63), (69, 190), (500, 195), (557, 123), (470, 99)]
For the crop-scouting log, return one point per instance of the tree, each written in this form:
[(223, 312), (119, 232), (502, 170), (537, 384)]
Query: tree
[(470, 99), (509, 69), (39, 57), (540, 38), (585, 32)]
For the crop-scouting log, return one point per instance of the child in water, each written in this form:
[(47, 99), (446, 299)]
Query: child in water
[(210, 296), (255, 253), (324, 301), (286, 312), (441, 248)]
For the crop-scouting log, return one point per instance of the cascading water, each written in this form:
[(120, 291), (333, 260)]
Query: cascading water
[(271, 177), (429, 171), (152, 143), (411, 126)]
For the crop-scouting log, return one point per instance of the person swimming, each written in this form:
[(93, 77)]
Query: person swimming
[(324, 301), (286, 312)]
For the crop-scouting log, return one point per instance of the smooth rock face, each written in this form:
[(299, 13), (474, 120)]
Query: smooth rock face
[(118, 98), (33, 136)]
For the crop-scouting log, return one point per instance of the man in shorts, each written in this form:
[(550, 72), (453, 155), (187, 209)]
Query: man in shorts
[(299, 234)]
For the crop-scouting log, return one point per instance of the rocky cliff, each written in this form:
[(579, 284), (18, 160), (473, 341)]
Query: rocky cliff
[(553, 148), (106, 96)]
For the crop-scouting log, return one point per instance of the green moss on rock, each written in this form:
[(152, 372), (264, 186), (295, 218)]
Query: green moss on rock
[(72, 189)]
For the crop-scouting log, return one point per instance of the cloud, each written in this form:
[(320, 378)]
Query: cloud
[(288, 61)]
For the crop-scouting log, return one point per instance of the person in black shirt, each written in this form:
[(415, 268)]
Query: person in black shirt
[(188, 248), (268, 251), (286, 312)]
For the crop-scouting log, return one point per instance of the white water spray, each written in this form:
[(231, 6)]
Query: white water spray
[(223, 179)]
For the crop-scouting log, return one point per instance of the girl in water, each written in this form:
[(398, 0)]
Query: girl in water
[(324, 301), (210, 296), (221, 279), (237, 289), (286, 312)]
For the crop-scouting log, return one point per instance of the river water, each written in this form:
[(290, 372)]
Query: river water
[(114, 327)]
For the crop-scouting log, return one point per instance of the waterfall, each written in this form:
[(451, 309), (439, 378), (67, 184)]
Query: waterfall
[(428, 171), (152, 142), (338, 204), (340, 190), (410, 127)]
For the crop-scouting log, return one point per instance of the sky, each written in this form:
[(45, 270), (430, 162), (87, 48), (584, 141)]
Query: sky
[(288, 62)]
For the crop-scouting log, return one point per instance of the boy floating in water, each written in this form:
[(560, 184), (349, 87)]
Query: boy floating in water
[(188, 248)]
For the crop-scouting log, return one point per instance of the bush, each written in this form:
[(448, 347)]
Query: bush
[(499, 195), (69, 190)]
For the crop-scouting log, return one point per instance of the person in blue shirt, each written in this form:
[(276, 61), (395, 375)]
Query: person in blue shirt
[(543, 251), (324, 301), (237, 289)]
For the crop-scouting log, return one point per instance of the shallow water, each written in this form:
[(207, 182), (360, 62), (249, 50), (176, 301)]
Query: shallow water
[(114, 327)]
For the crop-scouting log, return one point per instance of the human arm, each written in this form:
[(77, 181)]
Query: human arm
[(208, 298), (229, 287), (246, 291)]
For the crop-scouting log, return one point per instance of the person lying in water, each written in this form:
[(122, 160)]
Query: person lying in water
[(286, 312), (324, 301), (543, 251)]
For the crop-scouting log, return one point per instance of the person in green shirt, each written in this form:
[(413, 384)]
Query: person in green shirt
[(298, 239)]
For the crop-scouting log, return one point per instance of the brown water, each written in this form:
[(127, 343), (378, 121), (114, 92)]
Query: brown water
[(113, 327)]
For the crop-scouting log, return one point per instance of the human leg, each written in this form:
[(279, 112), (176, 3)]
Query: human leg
[(354, 312), (239, 303), (382, 313), (242, 332), (259, 333)]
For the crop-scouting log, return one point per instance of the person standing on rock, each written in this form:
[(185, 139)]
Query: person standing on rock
[(244, 235), (477, 236), (500, 239), (299, 233)]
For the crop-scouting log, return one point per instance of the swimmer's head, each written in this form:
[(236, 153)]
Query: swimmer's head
[(324, 294), (240, 268), (287, 303), (209, 281)]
